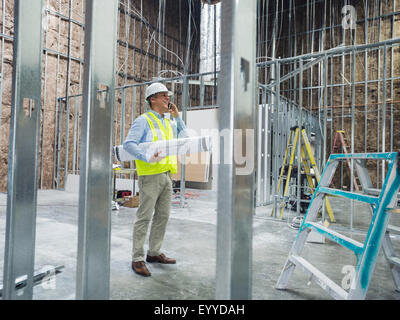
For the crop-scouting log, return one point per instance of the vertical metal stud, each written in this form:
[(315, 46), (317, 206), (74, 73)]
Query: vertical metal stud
[(67, 98), (133, 112), (264, 152), (276, 96), (353, 131), (75, 139), (66, 158), (122, 126), (325, 142), (236, 97), (384, 95), (93, 268), (260, 149), (23, 157), (299, 146), (43, 131), (268, 150), (2, 58), (201, 91), (60, 127), (133, 108), (366, 78), (185, 103)]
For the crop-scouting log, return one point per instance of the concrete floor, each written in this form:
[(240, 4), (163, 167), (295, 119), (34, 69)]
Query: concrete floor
[(191, 239)]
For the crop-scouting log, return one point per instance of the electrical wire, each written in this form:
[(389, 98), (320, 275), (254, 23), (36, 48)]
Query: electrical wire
[(161, 72), (139, 15)]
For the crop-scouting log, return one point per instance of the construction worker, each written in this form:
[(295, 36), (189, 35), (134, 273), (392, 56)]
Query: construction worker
[(154, 173)]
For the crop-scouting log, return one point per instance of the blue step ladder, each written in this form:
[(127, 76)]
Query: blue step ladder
[(382, 204)]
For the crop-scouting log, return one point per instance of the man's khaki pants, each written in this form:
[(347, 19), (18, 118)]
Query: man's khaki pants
[(155, 193)]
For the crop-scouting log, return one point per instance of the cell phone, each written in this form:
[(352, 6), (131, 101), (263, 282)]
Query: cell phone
[(169, 106)]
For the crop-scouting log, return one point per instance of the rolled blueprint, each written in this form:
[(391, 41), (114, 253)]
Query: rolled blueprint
[(167, 147)]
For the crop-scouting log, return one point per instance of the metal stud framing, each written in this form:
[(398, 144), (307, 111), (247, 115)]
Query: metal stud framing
[(23, 157), (236, 190), (332, 84), (95, 179), (281, 106)]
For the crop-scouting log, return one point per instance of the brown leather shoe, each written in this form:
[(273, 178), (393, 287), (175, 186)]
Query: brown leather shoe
[(140, 268), (161, 259)]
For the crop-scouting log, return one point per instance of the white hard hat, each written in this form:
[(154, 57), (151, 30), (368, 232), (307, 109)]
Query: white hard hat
[(156, 88)]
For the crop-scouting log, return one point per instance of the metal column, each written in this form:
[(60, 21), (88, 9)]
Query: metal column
[(23, 154), (94, 228), (185, 103), (236, 97)]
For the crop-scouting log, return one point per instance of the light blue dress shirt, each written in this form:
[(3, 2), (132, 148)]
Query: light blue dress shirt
[(140, 132)]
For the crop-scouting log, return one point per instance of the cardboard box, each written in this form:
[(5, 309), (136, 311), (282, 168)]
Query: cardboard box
[(131, 202)]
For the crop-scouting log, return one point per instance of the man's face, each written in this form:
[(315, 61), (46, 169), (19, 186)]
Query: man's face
[(161, 100)]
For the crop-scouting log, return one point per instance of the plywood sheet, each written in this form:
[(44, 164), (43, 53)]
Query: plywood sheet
[(197, 167)]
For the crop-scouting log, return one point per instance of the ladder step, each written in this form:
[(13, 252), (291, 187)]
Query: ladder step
[(393, 229), (321, 279), (349, 195), (394, 260), (372, 191), (367, 251), (376, 192), (341, 239), (393, 210)]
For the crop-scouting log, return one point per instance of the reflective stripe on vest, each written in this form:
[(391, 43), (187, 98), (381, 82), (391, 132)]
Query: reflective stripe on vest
[(169, 163)]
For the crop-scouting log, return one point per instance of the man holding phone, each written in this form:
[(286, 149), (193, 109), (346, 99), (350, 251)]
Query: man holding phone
[(154, 173)]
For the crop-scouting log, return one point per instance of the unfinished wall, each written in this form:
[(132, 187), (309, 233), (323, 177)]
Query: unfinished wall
[(312, 26), (147, 23), (56, 49)]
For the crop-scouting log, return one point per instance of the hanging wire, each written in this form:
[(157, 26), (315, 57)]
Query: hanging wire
[(139, 15)]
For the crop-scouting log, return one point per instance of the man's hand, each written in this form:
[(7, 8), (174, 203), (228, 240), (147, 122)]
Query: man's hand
[(173, 110), (156, 157)]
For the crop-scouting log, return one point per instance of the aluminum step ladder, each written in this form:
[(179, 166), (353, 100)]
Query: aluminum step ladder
[(390, 255), (377, 235), (387, 246)]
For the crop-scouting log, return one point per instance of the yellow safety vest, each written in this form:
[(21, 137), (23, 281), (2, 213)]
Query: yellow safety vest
[(169, 163)]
